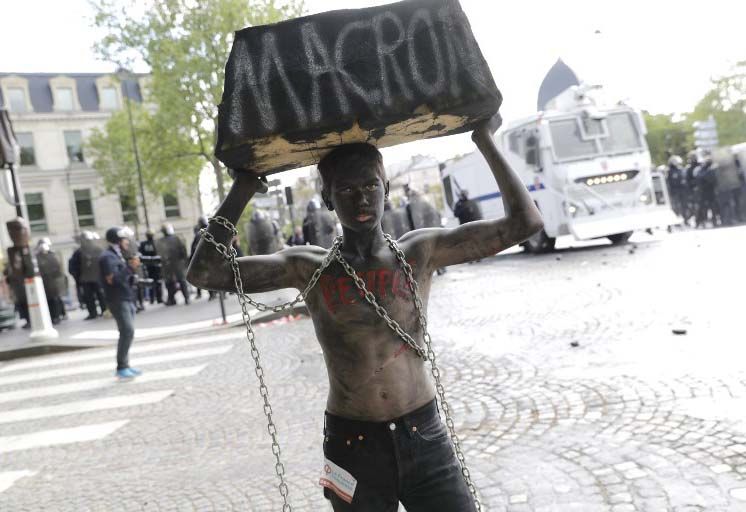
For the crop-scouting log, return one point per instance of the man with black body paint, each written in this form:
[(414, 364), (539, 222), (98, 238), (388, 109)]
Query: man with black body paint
[(382, 428)]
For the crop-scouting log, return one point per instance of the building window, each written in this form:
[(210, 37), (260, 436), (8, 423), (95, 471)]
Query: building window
[(16, 99), (109, 98), (36, 216), (129, 208), (84, 207), (63, 98), (171, 203), (26, 142), (74, 145)]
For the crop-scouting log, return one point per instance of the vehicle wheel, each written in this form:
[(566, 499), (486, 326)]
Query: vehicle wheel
[(620, 238), (539, 243)]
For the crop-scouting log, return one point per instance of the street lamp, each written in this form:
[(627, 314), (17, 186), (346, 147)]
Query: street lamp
[(8, 146), (123, 74)]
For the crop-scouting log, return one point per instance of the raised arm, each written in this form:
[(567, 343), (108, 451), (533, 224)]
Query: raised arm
[(480, 239), (210, 270)]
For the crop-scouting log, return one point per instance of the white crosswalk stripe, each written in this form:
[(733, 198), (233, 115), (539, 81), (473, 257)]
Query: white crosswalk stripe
[(59, 436), (8, 478), (108, 366), (26, 386), (96, 404), (87, 385), (92, 355)]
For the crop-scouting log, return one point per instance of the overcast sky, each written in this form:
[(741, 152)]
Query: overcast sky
[(657, 54)]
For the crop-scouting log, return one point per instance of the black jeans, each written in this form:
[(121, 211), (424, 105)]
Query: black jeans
[(91, 295), (408, 460), (124, 314)]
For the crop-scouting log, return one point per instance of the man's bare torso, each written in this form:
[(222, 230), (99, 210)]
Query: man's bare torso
[(373, 375)]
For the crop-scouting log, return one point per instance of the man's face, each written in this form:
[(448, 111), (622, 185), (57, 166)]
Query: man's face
[(124, 244), (357, 196)]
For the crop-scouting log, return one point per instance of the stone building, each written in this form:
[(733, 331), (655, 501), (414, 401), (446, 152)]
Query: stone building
[(421, 173), (52, 116)]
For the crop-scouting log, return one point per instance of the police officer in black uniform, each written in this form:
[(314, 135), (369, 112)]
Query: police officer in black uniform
[(152, 263)]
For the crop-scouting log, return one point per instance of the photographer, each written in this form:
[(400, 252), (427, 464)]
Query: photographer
[(118, 278)]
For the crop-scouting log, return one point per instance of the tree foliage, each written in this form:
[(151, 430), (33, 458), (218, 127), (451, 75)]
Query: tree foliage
[(667, 136), (725, 102), (167, 157), (185, 43)]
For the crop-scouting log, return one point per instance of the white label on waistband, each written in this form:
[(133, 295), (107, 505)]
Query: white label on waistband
[(339, 481)]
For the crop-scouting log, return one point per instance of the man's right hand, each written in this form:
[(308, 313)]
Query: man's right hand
[(134, 263)]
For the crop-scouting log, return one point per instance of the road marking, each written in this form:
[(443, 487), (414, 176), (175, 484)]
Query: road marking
[(91, 355), (59, 436), (8, 478), (73, 387), (150, 332), (95, 404), (95, 368)]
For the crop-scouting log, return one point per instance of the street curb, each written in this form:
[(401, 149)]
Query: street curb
[(43, 348)]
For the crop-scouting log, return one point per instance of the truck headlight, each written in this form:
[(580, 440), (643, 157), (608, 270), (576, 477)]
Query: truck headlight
[(646, 197)]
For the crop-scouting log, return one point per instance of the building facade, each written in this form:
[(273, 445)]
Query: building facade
[(421, 173), (52, 116)]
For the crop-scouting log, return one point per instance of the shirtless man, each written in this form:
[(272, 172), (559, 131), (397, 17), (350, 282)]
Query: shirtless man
[(381, 424)]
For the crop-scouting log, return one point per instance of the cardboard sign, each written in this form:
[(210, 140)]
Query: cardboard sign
[(384, 75)]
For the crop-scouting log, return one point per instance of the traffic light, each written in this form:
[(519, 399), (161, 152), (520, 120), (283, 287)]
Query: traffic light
[(706, 134), (289, 196)]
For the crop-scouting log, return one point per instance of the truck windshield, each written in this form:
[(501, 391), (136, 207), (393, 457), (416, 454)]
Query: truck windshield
[(622, 135)]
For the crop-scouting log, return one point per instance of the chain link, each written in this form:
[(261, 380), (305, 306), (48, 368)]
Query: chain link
[(428, 355), (229, 253)]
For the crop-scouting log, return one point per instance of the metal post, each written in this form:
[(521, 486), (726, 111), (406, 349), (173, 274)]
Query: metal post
[(16, 191), (137, 155), (73, 205)]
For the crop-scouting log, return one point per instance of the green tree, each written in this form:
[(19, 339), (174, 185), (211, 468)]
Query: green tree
[(726, 102), (666, 136), (167, 156), (186, 44)]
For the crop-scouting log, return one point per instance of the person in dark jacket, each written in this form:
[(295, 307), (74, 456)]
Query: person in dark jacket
[(394, 221), (690, 187), (421, 214), (73, 268), (118, 276), (465, 209), (90, 274), (50, 270), (152, 266), (707, 194), (173, 264), (201, 223), (675, 178), (297, 237)]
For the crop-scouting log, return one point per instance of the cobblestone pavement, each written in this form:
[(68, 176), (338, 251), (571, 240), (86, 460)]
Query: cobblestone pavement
[(631, 418)]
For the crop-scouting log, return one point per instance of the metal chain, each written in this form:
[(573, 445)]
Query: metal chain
[(230, 254), (429, 355), (393, 324)]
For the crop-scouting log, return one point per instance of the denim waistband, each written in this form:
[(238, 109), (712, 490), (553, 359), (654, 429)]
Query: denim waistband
[(419, 416)]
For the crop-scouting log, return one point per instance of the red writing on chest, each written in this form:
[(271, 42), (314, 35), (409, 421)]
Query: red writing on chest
[(383, 283)]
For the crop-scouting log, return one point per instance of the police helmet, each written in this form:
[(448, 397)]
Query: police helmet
[(116, 233), (675, 160)]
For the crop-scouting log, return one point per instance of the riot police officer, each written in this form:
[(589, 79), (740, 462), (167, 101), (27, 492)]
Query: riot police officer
[(675, 181), (152, 264), (173, 264), (90, 274)]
